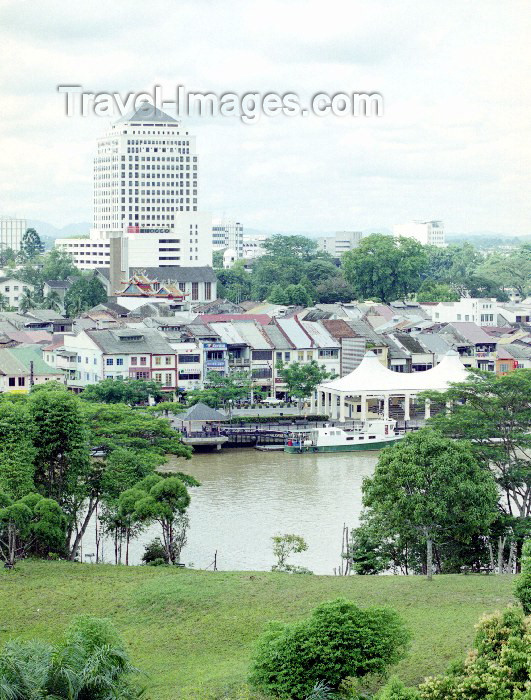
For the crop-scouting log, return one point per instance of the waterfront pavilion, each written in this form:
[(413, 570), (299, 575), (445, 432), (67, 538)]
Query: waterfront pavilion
[(372, 381)]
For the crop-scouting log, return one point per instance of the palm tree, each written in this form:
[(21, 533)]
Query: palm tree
[(91, 662), (28, 301), (53, 301)]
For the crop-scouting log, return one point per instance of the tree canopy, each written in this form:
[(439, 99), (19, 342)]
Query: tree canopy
[(78, 453), (431, 485), (129, 391), (302, 379), (385, 268), (31, 244), (84, 293), (338, 640), (381, 267)]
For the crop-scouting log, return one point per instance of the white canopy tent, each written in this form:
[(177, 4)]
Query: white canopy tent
[(371, 380)]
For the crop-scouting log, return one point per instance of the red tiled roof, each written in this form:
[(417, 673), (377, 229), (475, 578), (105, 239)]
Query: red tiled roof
[(339, 329)]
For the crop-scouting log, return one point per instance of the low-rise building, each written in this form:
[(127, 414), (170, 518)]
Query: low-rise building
[(476, 348), (124, 353), (197, 284), (23, 367), (482, 312), (11, 292)]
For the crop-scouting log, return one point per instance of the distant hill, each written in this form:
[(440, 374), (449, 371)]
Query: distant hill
[(47, 230)]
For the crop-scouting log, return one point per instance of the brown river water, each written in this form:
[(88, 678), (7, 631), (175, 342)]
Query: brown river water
[(247, 496)]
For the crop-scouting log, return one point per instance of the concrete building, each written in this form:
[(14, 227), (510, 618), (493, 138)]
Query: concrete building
[(94, 355), (228, 234), (146, 192), (341, 242), (253, 247), (11, 291), (425, 232), (23, 367), (482, 312), (11, 232)]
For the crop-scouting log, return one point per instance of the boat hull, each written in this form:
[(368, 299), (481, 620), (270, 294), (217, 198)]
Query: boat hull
[(356, 447)]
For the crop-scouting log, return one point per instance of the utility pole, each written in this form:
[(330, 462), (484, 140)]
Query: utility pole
[(32, 377)]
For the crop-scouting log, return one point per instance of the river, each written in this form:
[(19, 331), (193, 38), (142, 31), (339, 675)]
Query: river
[(247, 496)]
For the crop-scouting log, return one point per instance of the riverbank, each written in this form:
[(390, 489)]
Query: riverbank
[(193, 632)]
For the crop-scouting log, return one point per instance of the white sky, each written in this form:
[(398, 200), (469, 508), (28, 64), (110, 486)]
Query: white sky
[(453, 143)]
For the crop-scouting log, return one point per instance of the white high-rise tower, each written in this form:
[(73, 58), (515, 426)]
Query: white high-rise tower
[(146, 192)]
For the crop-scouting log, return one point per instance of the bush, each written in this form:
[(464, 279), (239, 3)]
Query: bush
[(396, 690), (338, 640), (159, 561), (154, 551), (499, 668), (523, 582)]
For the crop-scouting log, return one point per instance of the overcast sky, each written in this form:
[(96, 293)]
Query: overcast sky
[(453, 143)]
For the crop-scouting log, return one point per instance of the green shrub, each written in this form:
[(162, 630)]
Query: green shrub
[(153, 551), (499, 667), (159, 561), (338, 640), (523, 582), (396, 690)]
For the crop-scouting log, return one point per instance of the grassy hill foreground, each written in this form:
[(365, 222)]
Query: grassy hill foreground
[(192, 632)]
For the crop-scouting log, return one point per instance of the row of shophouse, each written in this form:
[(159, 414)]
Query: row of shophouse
[(178, 351)]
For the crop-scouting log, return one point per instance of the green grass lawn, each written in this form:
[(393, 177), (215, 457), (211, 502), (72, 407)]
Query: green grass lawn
[(193, 630)]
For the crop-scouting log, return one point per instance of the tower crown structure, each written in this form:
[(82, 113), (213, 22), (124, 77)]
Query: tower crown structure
[(146, 194)]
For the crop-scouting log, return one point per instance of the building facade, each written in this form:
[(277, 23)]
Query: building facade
[(11, 292), (146, 191), (124, 353), (11, 233), (228, 235), (425, 232), (482, 312), (341, 242)]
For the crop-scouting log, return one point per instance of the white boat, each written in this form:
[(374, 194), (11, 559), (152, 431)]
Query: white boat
[(371, 435)]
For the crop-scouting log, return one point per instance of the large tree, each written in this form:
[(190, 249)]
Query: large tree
[(234, 284), (164, 500), (294, 246), (58, 265), (433, 485), (31, 244), (128, 391), (508, 270), (385, 268), (29, 524), (222, 390), (128, 445), (85, 293), (494, 414), (302, 379), (17, 452)]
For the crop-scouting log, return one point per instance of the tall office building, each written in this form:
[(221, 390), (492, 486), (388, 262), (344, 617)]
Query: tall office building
[(146, 193), (426, 232), (11, 232), (228, 235)]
